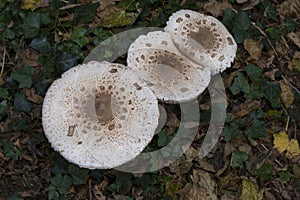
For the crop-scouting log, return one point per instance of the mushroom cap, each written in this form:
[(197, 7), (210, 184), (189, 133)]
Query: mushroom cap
[(204, 39), (171, 76), (99, 115)]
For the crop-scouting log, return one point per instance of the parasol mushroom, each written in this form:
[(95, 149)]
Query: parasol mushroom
[(204, 39), (99, 115), (167, 72)]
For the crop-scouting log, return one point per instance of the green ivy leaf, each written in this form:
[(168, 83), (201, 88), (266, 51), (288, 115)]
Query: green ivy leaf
[(61, 183), (24, 76), (11, 150), (122, 183), (66, 61), (238, 159), (240, 84), (41, 85), (21, 103), (228, 17), (241, 25), (40, 44), (78, 36), (145, 181), (9, 34), (272, 91), (48, 64), (3, 93), (20, 125), (254, 72), (86, 13), (285, 176), (238, 123), (3, 107), (230, 133), (78, 174), (255, 92), (257, 114), (242, 21), (97, 175), (52, 193), (32, 25), (265, 172), (45, 19), (257, 130)]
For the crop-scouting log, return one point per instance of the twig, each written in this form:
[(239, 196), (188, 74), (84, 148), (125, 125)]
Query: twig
[(3, 62), (74, 5), (285, 43), (264, 34), (287, 124), (278, 163), (71, 6), (288, 82), (90, 189)]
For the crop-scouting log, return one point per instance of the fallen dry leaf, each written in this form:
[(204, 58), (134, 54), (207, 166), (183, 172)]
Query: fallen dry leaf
[(228, 78), (191, 153), (206, 166), (172, 121), (250, 190), (251, 4), (271, 74), (241, 1), (245, 148), (30, 57), (296, 170), (229, 148), (216, 8), (34, 4), (281, 141), (294, 37), (295, 62), (203, 187), (253, 48), (286, 96), (245, 108), (172, 188), (290, 8), (32, 96), (98, 190), (180, 166), (293, 149)]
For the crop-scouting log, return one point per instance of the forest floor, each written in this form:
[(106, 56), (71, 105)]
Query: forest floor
[(257, 155)]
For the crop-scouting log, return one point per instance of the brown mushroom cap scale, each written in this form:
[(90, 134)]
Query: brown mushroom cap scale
[(99, 115), (204, 39), (167, 72)]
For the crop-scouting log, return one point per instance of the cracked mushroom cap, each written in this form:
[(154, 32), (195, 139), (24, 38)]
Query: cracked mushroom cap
[(99, 115), (203, 39), (171, 76)]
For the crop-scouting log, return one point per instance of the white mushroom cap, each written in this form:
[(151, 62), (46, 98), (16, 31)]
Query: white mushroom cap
[(99, 115), (171, 76), (203, 39)]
